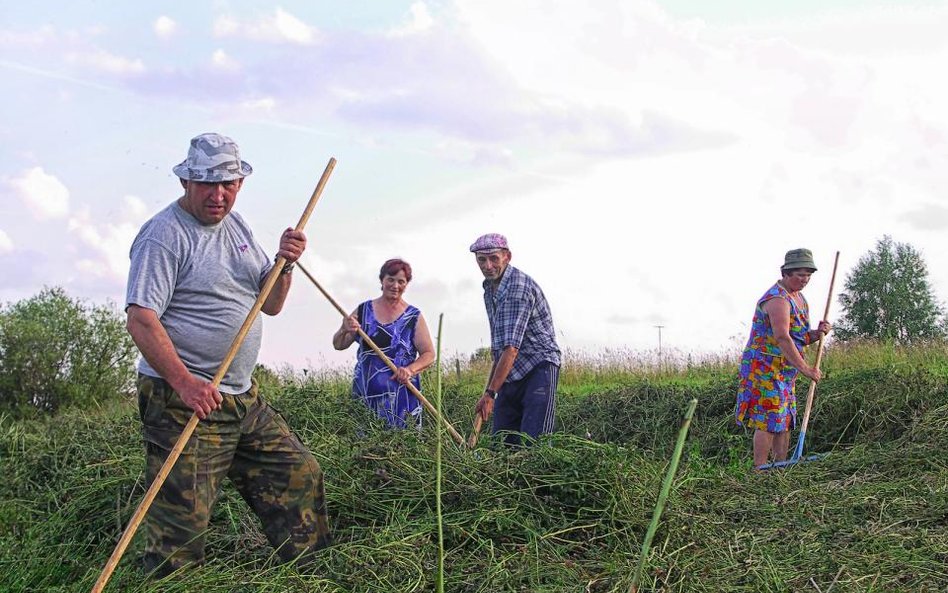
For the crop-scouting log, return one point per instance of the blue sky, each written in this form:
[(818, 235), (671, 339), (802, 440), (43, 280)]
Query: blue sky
[(650, 162)]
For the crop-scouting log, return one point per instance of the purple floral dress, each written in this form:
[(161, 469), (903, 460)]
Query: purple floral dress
[(765, 398)]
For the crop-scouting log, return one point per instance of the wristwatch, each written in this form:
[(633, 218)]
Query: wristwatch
[(287, 268), (491, 392)]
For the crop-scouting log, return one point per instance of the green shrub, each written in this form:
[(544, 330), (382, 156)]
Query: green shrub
[(57, 351)]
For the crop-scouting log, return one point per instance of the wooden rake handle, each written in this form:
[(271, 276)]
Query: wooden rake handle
[(388, 362), (193, 422), (819, 352), (476, 431)]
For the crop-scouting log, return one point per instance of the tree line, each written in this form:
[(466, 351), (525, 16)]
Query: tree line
[(59, 351)]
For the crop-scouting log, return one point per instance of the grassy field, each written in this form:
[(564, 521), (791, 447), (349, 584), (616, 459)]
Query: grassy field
[(568, 515)]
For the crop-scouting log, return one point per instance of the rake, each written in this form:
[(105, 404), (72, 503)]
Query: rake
[(797, 456)]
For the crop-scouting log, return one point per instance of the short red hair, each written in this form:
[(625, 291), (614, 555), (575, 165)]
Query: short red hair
[(394, 266)]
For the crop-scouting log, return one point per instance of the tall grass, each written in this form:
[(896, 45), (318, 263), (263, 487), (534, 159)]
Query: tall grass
[(439, 580), (567, 515), (663, 495)]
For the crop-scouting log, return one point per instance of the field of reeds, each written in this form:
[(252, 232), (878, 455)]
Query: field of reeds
[(567, 515)]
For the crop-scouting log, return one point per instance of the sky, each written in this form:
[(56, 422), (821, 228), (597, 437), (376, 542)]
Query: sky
[(649, 161)]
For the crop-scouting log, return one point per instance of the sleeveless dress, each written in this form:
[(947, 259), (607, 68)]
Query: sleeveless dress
[(765, 397), (374, 382)]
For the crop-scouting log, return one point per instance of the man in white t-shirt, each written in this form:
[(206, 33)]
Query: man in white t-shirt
[(196, 271)]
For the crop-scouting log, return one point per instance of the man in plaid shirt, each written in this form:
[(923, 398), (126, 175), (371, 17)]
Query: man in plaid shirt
[(521, 389)]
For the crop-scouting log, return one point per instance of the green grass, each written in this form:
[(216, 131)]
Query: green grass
[(568, 515)]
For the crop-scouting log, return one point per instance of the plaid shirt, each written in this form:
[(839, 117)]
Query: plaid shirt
[(519, 316)]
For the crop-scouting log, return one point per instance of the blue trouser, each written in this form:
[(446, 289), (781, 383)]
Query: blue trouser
[(527, 405)]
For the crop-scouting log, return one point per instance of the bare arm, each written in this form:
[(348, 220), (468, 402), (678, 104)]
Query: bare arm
[(498, 375), (424, 345), (347, 332), (155, 345), (426, 353), (292, 245), (502, 368), (274, 303), (778, 310)]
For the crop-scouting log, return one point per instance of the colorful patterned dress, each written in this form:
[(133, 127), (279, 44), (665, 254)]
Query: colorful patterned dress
[(374, 382), (765, 398)]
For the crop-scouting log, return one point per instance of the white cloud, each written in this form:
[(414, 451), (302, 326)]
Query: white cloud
[(226, 26), (420, 21), (133, 209), (43, 193), (265, 104), (6, 244), (928, 217), (221, 60), (28, 39), (330, 270), (107, 62), (165, 27), (878, 31), (280, 27), (817, 138), (103, 245)]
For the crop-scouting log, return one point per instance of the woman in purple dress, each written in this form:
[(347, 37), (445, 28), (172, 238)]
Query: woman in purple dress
[(400, 331)]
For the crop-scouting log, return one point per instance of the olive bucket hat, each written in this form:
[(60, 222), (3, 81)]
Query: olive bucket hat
[(798, 258), (212, 158)]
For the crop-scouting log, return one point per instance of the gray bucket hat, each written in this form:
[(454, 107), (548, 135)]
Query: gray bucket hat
[(798, 258), (212, 158)]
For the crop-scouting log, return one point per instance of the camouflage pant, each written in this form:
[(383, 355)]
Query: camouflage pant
[(247, 441)]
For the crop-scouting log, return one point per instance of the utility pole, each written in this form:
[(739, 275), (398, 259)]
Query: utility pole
[(659, 343)]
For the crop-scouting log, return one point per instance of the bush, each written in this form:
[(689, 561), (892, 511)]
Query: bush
[(57, 351)]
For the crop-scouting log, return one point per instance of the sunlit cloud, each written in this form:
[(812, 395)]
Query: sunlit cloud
[(220, 59), (6, 244), (107, 62), (929, 217), (280, 27), (28, 39), (133, 209), (266, 104), (165, 27), (44, 194), (446, 82), (419, 21), (104, 245)]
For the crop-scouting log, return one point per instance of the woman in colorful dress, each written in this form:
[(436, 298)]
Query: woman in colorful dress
[(773, 357), (400, 331)]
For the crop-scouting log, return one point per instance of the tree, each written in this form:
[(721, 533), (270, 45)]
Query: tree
[(56, 351), (887, 297)]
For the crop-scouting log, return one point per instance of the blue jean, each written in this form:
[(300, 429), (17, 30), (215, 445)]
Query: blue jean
[(527, 405)]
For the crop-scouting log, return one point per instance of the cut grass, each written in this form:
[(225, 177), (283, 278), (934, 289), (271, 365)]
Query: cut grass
[(567, 515)]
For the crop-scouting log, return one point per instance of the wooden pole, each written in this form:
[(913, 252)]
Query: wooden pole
[(798, 453), (193, 422), (476, 431), (388, 362)]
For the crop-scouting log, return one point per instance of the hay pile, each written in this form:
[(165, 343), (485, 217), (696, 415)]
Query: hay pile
[(565, 516)]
